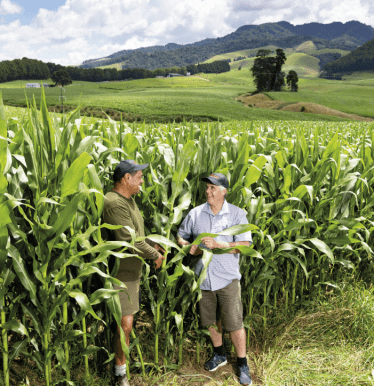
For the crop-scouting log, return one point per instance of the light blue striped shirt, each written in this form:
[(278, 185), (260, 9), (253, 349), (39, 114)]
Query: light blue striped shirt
[(223, 269)]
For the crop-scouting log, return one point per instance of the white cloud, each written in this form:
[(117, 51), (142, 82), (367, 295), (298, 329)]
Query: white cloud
[(295, 12), (7, 7), (83, 29)]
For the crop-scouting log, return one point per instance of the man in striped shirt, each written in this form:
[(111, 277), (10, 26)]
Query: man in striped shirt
[(220, 305)]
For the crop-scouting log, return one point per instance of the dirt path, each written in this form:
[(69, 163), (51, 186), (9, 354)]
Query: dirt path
[(264, 102)]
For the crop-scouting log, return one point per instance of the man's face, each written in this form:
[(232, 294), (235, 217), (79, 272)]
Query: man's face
[(214, 194), (134, 182)]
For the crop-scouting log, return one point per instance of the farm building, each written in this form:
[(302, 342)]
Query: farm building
[(36, 85), (171, 75)]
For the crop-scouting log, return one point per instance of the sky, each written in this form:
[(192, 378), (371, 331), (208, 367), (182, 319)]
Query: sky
[(71, 31)]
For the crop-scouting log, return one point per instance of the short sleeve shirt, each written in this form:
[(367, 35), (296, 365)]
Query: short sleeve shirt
[(223, 269)]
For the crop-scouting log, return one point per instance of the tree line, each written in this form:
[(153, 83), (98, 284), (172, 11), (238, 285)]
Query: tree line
[(361, 59), (34, 69), (23, 69)]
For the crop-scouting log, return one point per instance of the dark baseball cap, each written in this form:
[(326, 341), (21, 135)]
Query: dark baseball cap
[(126, 166), (218, 179)]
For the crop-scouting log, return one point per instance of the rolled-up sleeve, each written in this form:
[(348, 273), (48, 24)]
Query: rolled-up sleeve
[(185, 229)]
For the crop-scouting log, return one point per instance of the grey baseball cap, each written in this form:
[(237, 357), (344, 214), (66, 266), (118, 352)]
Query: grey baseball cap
[(217, 179), (126, 166)]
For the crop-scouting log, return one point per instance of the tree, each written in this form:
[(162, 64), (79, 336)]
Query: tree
[(61, 77), (278, 77), (262, 70), (267, 70), (292, 80)]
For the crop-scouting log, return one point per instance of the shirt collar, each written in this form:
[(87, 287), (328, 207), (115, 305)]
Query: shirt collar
[(224, 209)]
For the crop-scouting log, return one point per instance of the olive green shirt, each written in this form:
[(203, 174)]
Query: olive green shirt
[(119, 210)]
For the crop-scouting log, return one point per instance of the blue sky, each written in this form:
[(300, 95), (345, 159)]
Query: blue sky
[(71, 31), (30, 9)]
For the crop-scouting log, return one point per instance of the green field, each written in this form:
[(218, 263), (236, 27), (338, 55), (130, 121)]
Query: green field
[(208, 97), (346, 96), (117, 66)]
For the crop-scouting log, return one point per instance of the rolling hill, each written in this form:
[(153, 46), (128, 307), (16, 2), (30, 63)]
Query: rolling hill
[(306, 64)]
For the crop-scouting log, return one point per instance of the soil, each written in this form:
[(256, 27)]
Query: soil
[(264, 102)]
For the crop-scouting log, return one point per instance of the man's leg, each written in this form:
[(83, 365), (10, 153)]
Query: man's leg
[(126, 324), (238, 339), (208, 313), (216, 334), (229, 299), (119, 356)]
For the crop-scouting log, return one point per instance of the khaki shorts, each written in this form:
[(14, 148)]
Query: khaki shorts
[(225, 305), (129, 298)]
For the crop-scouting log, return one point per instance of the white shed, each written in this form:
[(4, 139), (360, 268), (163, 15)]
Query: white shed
[(35, 85)]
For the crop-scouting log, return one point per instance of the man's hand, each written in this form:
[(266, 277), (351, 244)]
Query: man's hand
[(158, 262), (209, 242), (159, 248), (195, 250)]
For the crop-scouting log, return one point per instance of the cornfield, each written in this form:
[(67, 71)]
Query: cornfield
[(307, 190)]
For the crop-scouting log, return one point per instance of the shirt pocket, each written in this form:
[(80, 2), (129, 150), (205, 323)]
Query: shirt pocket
[(225, 224), (222, 225)]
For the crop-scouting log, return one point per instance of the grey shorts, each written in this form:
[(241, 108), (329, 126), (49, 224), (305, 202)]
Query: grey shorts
[(224, 304), (129, 298)]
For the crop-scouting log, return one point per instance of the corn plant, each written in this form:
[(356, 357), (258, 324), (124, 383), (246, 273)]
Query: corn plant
[(307, 191)]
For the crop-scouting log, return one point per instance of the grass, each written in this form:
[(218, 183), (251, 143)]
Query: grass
[(305, 65), (233, 55), (330, 343), (346, 96), (306, 46), (117, 66), (208, 97), (329, 51)]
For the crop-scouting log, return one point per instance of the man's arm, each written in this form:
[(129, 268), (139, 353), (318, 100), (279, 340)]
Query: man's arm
[(195, 250), (120, 215), (210, 243), (244, 239), (185, 231)]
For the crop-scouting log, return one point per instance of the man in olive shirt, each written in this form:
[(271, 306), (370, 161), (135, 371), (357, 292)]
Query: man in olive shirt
[(120, 209)]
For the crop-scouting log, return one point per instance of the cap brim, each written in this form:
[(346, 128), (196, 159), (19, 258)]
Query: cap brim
[(140, 167), (211, 180)]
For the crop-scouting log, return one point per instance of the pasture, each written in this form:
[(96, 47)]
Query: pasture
[(207, 97)]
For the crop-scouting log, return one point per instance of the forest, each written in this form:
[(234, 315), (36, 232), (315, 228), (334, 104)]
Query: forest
[(34, 69)]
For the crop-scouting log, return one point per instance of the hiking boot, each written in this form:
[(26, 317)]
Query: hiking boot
[(244, 377), (215, 361)]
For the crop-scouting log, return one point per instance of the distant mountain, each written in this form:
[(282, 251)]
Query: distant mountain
[(352, 29), (346, 36), (361, 59)]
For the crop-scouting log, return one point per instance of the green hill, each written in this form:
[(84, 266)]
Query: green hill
[(304, 58), (233, 55), (361, 59), (305, 65), (306, 47)]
